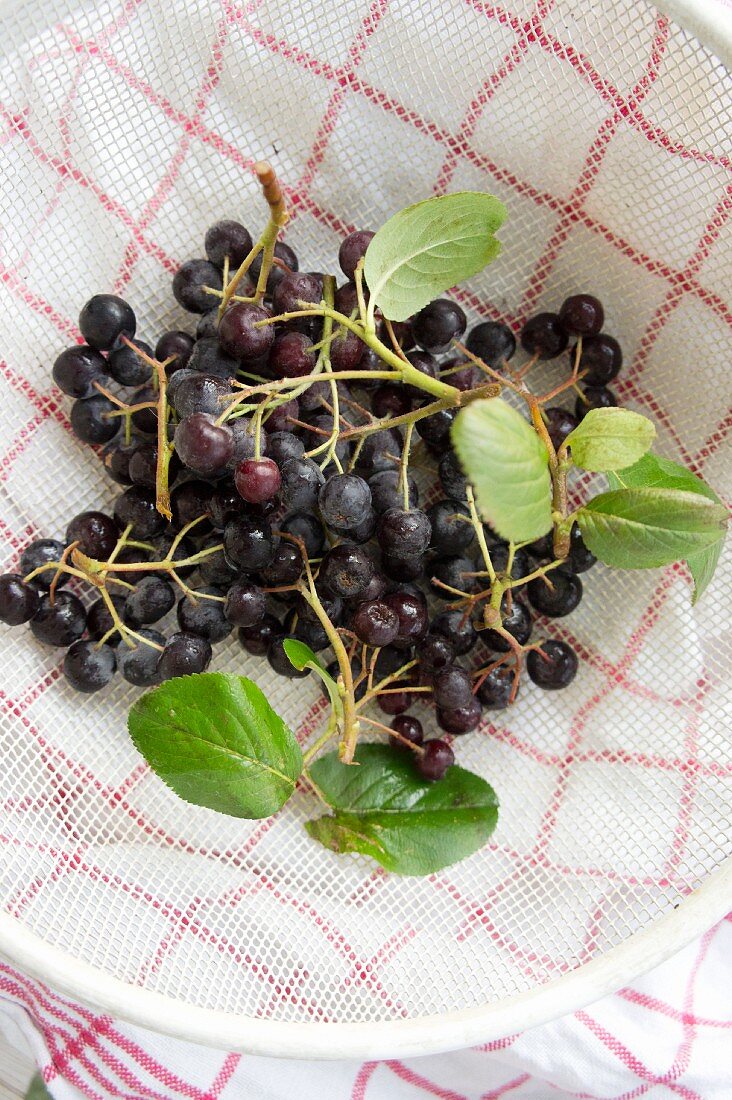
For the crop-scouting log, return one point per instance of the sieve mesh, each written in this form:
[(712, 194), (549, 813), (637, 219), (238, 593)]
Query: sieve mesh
[(124, 131)]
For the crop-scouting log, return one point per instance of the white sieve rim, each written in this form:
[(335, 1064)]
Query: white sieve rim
[(710, 22), (432, 1034)]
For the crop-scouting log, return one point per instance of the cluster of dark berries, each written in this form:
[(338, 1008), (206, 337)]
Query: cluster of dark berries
[(256, 487)]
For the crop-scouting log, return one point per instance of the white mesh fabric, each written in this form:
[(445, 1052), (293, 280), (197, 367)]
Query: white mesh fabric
[(126, 130)]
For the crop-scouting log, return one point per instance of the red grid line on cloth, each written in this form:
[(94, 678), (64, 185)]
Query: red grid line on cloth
[(591, 169), (526, 33), (299, 56), (675, 296)]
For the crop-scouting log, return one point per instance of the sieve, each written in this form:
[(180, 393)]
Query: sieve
[(126, 129)]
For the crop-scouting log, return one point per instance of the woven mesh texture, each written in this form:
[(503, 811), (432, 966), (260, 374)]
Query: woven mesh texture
[(126, 130)]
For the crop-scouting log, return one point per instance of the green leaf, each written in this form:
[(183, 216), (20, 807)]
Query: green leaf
[(608, 439), (646, 528), (429, 247), (217, 742), (302, 656), (652, 471), (408, 825), (508, 466)]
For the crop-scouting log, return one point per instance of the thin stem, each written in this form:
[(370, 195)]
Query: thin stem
[(393, 733), (407, 372), (480, 533), (404, 466), (324, 738), (62, 562)]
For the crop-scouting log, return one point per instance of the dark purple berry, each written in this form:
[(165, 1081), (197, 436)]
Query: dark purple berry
[(257, 480), (595, 397), (352, 249), (582, 315), (439, 323), (600, 360), (77, 369), (18, 601), (184, 655), (59, 623), (104, 319), (227, 238), (88, 666), (95, 532), (238, 334), (462, 719), (491, 341), (544, 336), (189, 282), (409, 729), (556, 594), (435, 760), (495, 690), (552, 667)]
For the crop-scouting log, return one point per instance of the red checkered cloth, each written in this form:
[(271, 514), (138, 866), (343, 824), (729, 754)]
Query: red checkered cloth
[(633, 209), (667, 1035)]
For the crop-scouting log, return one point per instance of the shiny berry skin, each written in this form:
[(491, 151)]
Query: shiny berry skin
[(517, 622), (440, 322), (245, 603), (544, 336), (203, 617), (59, 623), (95, 532), (77, 369), (174, 343), (404, 532), (495, 691), (375, 623), (559, 423), (256, 639), (292, 355), (248, 543), (127, 368), (491, 341), (18, 601), (88, 667), (203, 445), (389, 399), (42, 552), (386, 492), (454, 571), (411, 611), (286, 566), (139, 666), (435, 429), (580, 559), (434, 761), (227, 238), (302, 479), (458, 630), (395, 701), (559, 597), (104, 319), (450, 532), (346, 351), (286, 256), (189, 281), (91, 422), (190, 500), (308, 528), (352, 249), (402, 567), (238, 335), (136, 506), (435, 653), (346, 570), (596, 397), (343, 499), (257, 480), (554, 666), (600, 360), (296, 287), (582, 315), (184, 655), (452, 688), (462, 719), (452, 478), (409, 729), (152, 599), (99, 621)]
